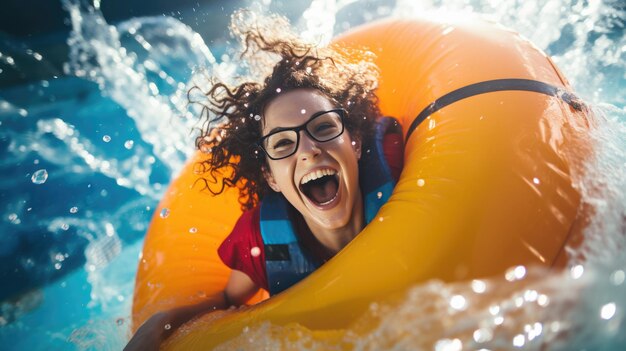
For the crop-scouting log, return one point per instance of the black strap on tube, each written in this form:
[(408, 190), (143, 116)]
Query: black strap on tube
[(492, 86)]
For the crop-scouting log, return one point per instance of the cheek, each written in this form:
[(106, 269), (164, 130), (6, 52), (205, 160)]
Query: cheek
[(283, 174), (349, 160), (348, 144)]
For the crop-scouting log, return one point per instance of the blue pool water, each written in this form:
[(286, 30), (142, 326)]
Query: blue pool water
[(86, 154)]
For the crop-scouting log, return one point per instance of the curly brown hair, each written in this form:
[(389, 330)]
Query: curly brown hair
[(232, 116)]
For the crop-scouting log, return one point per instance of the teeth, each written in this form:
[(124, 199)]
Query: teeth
[(317, 174)]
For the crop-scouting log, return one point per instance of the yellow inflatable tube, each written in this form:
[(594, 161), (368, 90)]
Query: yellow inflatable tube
[(493, 138)]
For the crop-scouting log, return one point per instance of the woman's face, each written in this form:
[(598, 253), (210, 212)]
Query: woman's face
[(321, 179)]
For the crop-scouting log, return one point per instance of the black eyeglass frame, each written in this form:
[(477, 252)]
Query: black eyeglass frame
[(340, 111)]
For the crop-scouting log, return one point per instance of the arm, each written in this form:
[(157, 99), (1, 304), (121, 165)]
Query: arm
[(154, 331)]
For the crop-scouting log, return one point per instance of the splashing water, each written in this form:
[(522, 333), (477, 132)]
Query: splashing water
[(40, 176), (120, 140)]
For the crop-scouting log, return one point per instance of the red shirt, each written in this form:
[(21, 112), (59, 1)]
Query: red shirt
[(243, 249)]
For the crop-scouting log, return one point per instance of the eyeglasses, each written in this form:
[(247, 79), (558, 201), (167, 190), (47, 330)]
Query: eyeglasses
[(323, 126)]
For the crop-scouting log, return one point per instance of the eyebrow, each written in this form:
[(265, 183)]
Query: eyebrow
[(280, 129)]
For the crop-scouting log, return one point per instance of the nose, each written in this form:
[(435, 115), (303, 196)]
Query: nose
[(308, 148)]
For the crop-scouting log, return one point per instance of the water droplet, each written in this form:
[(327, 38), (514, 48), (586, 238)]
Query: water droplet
[(379, 194), (128, 144), (74, 209), (374, 307), (303, 111), (193, 230), (164, 212), (531, 295), (515, 273), (617, 277), (109, 229), (167, 326), (447, 31), (608, 311), (65, 226), (57, 266), (12, 217), (257, 117), (536, 180), (543, 300), (448, 345), (380, 219), (432, 124), (479, 286), (483, 335), (206, 149), (577, 271), (106, 138), (23, 112), (353, 143), (458, 302), (278, 90), (40, 176), (255, 251), (534, 330), (421, 182), (119, 321), (519, 340)]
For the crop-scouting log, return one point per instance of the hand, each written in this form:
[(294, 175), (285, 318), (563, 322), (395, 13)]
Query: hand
[(151, 333)]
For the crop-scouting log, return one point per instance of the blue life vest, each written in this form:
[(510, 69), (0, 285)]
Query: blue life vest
[(285, 261)]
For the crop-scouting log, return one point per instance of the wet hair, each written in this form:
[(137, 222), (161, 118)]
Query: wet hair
[(232, 115)]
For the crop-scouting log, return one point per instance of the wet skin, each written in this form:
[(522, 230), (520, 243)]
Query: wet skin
[(334, 223)]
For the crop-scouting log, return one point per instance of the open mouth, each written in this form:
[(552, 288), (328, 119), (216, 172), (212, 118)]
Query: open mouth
[(321, 186)]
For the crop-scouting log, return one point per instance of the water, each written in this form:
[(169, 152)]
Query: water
[(86, 155)]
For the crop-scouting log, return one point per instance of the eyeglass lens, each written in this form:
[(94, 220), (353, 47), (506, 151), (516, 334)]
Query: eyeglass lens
[(321, 128)]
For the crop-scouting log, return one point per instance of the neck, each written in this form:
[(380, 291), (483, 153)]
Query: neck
[(336, 239)]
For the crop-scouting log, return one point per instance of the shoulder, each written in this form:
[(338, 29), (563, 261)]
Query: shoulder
[(248, 222), (243, 248), (245, 231)]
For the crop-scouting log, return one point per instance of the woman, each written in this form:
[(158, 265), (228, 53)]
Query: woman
[(300, 138)]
